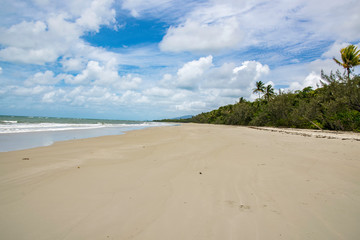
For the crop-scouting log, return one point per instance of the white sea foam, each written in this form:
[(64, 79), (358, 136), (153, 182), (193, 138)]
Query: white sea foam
[(5, 121), (14, 127), (43, 127)]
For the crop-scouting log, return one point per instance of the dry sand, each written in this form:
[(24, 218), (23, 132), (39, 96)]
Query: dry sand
[(183, 182)]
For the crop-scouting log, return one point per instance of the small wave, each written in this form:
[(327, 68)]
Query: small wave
[(44, 127), (9, 122), (15, 127)]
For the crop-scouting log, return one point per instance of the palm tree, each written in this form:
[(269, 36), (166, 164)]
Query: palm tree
[(350, 57), (269, 92), (260, 88), (242, 100)]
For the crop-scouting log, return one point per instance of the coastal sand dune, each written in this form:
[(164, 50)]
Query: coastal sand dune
[(183, 182)]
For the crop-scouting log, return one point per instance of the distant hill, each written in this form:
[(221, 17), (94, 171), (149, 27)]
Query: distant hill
[(183, 117)]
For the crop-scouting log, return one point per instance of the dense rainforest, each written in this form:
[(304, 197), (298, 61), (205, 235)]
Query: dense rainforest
[(334, 105)]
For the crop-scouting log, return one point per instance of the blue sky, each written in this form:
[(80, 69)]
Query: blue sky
[(144, 60)]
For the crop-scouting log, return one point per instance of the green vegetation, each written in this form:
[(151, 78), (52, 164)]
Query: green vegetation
[(334, 106), (350, 57), (260, 88)]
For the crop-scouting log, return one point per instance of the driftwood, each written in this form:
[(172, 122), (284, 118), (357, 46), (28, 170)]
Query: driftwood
[(313, 123)]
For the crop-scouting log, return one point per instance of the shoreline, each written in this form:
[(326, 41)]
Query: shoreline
[(192, 181), (26, 140)]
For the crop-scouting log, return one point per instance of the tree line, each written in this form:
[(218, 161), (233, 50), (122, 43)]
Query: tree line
[(334, 105)]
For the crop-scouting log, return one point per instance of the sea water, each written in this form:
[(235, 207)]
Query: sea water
[(18, 133)]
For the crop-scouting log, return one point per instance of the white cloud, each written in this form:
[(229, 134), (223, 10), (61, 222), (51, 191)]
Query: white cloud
[(159, 92), (73, 64), (235, 24), (99, 13), (128, 82), (234, 81), (104, 75), (89, 96), (199, 85), (250, 70), (190, 106), (334, 50), (138, 7), (95, 73), (48, 97), (214, 85), (38, 42), (132, 97), (203, 37), (30, 91), (44, 41), (0, 70), (30, 56), (46, 78), (312, 80), (91, 73), (190, 74)]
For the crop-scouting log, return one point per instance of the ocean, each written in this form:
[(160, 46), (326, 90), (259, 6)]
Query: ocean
[(22, 132)]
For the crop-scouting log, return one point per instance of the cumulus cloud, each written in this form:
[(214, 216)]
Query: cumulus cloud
[(312, 80), (53, 96), (201, 75), (93, 72), (93, 96), (249, 70), (230, 80), (40, 78), (128, 82), (190, 74), (44, 41), (73, 64), (99, 12), (104, 75), (37, 42), (201, 85)]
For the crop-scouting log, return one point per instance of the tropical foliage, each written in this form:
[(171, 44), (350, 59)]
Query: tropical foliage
[(350, 57), (260, 88), (269, 92), (334, 106)]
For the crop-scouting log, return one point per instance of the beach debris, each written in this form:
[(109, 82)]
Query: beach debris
[(200, 172), (78, 166), (244, 206), (26, 158)]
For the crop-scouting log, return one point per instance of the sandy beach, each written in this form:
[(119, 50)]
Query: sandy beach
[(184, 182)]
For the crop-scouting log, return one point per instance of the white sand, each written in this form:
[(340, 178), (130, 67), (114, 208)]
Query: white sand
[(183, 182)]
